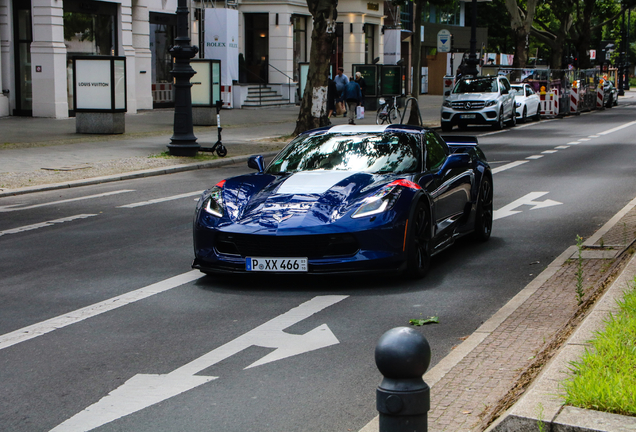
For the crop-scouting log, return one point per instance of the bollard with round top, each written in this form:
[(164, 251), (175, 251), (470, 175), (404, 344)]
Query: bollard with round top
[(402, 355)]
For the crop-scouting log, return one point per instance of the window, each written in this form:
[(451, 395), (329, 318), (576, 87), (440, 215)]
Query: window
[(436, 150), (369, 43), (300, 42)]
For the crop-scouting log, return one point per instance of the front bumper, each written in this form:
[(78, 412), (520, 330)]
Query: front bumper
[(481, 117)]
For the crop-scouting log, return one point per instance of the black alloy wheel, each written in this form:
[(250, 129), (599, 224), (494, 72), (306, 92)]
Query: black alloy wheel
[(524, 115), (483, 218), (513, 118), (499, 125), (418, 253)]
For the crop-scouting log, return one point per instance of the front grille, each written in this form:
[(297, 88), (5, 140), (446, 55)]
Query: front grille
[(468, 105), (310, 246)]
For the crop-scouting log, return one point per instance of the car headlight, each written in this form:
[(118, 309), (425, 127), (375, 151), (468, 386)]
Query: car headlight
[(518, 104), (213, 204), (446, 104), (491, 103), (384, 199)]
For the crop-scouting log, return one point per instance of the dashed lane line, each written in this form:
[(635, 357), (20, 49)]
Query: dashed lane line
[(45, 224), (508, 166), (15, 207), (160, 200), (44, 327)]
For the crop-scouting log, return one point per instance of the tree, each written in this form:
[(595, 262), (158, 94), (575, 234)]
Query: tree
[(313, 108), (520, 23)]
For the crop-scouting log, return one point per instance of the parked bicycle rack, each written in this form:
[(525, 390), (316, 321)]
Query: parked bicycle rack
[(417, 106)]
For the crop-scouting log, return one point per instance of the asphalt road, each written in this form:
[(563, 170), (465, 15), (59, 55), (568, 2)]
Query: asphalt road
[(122, 252)]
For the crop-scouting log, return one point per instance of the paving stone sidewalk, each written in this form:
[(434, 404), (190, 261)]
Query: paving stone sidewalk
[(492, 376)]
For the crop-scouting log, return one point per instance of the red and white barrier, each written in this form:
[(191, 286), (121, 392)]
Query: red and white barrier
[(574, 100), (226, 96), (549, 105), (162, 93), (600, 95)]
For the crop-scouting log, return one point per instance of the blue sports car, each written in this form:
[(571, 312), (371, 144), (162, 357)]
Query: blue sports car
[(345, 199)]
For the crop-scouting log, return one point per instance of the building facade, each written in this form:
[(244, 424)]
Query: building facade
[(39, 38)]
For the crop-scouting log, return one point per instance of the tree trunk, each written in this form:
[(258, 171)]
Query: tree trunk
[(313, 108), (520, 26)]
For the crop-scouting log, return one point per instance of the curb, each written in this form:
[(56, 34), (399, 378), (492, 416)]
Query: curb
[(151, 172)]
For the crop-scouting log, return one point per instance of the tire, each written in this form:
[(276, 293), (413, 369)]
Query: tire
[(484, 211), (418, 253), (380, 118), (610, 102), (524, 115), (499, 125), (513, 118), (221, 150), (394, 116), (447, 127), (537, 115)]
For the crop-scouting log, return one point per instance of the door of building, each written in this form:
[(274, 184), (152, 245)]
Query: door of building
[(256, 47), (23, 37)]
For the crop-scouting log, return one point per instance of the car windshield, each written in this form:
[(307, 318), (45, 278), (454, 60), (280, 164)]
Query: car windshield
[(360, 152), (517, 90), (477, 85)]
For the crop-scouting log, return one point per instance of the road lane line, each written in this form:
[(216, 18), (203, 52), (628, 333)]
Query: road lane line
[(584, 139), (44, 327), (14, 207), (44, 224), (508, 166), (562, 147), (609, 131), (160, 200), (549, 151), (533, 157), (574, 143)]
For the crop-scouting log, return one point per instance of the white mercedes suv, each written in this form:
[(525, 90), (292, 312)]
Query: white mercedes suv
[(479, 100)]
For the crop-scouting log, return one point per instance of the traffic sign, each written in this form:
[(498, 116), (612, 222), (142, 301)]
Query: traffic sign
[(443, 41)]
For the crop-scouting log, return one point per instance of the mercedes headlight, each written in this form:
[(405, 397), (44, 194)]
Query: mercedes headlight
[(384, 199), (446, 104), (517, 104), (491, 103)]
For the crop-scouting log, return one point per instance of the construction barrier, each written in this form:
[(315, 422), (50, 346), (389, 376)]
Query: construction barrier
[(574, 99), (162, 93), (549, 104), (600, 96)]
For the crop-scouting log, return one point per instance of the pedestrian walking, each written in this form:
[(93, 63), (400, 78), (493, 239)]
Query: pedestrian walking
[(353, 96), (332, 93), (341, 81), (363, 86)]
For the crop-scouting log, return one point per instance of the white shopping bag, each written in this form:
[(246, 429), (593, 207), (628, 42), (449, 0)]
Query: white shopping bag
[(360, 112)]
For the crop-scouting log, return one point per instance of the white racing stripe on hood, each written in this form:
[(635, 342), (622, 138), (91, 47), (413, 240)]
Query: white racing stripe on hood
[(312, 182), (359, 129)]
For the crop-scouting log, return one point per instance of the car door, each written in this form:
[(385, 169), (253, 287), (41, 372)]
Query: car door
[(508, 97), (448, 187), (533, 100)]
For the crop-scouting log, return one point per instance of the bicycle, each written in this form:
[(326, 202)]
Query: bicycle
[(388, 112)]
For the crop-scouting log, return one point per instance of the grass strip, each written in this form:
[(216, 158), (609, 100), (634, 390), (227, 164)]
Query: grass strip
[(605, 378)]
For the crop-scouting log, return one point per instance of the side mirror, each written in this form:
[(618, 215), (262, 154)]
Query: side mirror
[(257, 163), (504, 91), (447, 93)]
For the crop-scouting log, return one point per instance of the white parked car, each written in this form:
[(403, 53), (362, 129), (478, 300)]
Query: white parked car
[(527, 101), (479, 100)]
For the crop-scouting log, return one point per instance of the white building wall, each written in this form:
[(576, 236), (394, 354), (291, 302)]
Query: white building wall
[(281, 47), (4, 55), (48, 51), (143, 55)]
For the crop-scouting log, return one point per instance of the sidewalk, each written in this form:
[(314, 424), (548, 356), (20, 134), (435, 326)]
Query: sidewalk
[(483, 379)]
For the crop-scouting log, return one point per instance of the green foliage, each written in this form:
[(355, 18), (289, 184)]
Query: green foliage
[(421, 322), (604, 378)]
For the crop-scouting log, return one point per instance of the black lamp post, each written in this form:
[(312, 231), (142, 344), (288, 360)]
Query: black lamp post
[(183, 141), (473, 61), (621, 59)]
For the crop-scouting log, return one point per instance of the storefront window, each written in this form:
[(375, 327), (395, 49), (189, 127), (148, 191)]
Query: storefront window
[(300, 42), (369, 43), (449, 13), (90, 28), (162, 34)]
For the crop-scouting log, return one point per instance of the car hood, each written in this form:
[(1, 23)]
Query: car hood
[(307, 199)]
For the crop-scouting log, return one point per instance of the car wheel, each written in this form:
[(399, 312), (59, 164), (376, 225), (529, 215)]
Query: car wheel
[(499, 125), (418, 253), (513, 119), (610, 102), (484, 213), (447, 127), (537, 115), (524, 115)]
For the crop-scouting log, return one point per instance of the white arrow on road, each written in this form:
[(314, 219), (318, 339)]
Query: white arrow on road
[(529, 199), (142, 391)]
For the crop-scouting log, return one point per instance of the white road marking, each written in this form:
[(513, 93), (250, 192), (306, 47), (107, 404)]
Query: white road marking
[(160, 200), (593, 136), (574, 143), (14, 207), (508, 166), (609, 131), (562, 147), (45, 224), (549, 151), (495, 133), (584, 139), (143, 390), (533, 157), (67, 319), (528, 199)]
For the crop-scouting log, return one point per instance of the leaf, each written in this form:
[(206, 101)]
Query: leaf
[(421, 322)]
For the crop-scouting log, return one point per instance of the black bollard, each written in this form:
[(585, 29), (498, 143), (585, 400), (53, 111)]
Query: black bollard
[(403, 398)]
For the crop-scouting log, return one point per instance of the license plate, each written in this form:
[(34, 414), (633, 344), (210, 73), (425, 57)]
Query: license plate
[(467, 116), (276, 264)]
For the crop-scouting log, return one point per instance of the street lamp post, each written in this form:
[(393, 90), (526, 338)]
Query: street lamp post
[(183, 141), (473, 61)]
